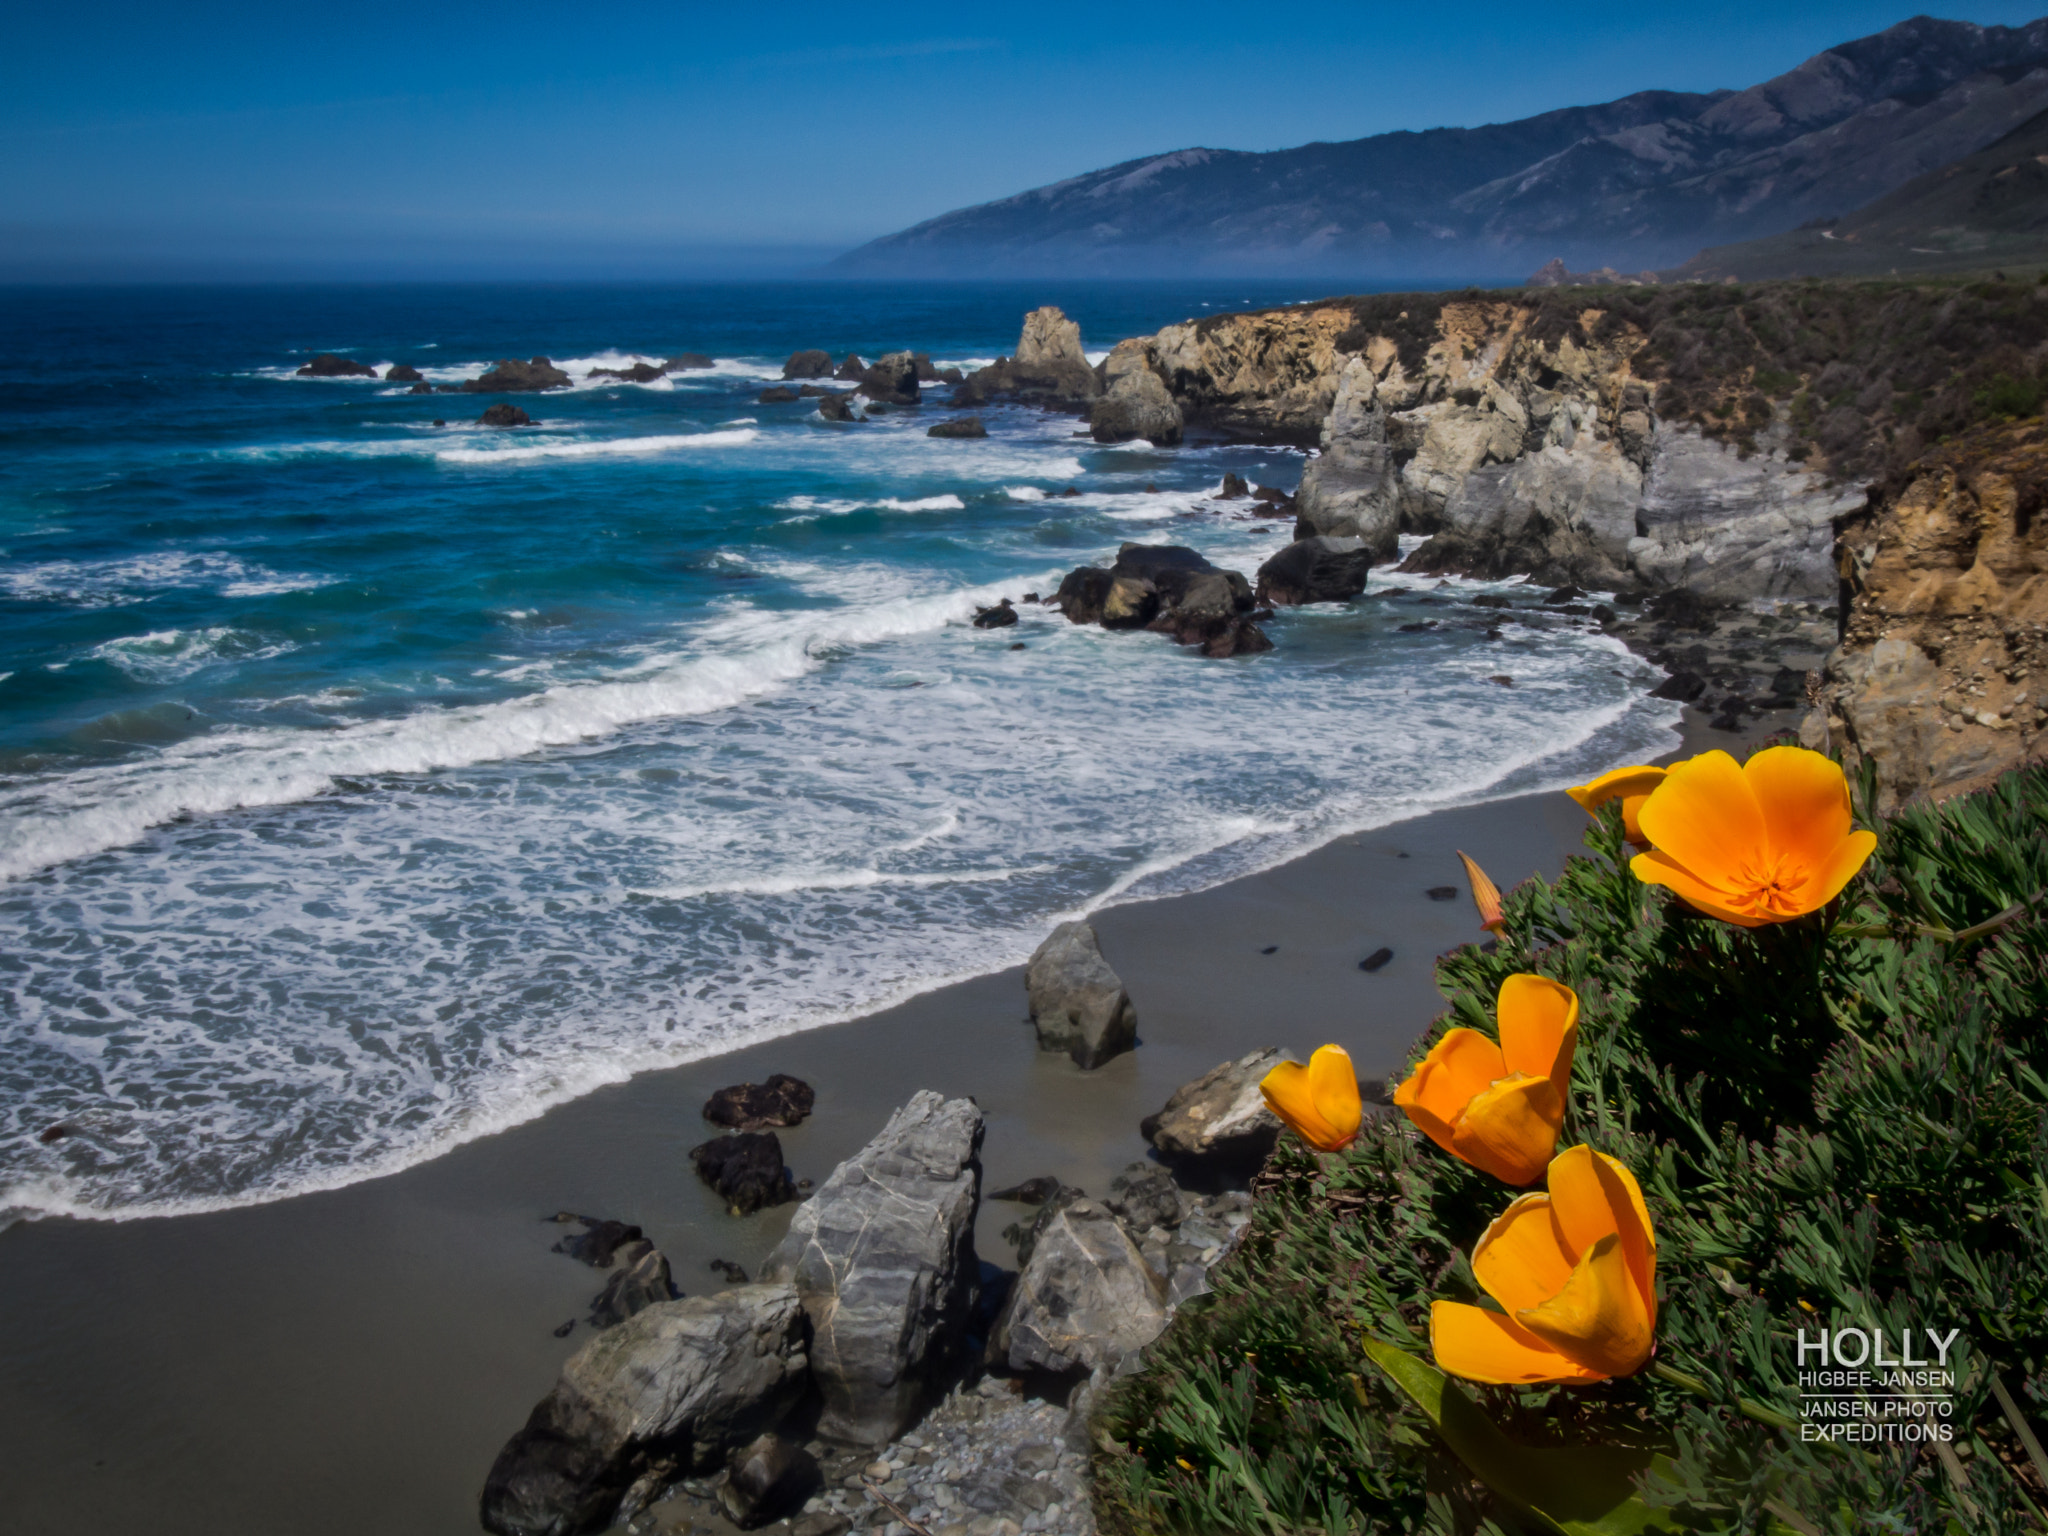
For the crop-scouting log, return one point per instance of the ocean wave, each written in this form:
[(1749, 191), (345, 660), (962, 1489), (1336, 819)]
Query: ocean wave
[(55, 820), (116, 583), (795, 882), (167, 655), (599, 448), (810, 508)]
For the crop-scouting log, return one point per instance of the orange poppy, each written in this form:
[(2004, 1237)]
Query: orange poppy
[(1631, 786), (1485, 895), (1576, 1272), (1320, 1101), (1763, 842), (1500, 1106)]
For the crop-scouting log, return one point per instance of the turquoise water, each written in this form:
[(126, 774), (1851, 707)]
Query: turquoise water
[(369, 784)]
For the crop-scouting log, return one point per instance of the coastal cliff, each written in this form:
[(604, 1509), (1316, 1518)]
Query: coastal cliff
[(1938, 682)]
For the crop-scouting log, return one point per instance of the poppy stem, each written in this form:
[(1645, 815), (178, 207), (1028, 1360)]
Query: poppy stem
[(1747, 1407)]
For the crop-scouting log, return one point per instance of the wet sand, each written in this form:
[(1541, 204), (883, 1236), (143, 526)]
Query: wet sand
[(350, 1361)]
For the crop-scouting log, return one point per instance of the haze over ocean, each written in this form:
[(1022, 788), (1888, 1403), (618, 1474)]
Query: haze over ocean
[(370, 784)]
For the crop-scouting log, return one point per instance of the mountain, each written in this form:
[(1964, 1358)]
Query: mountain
[(1645, 181), (1988, 209)]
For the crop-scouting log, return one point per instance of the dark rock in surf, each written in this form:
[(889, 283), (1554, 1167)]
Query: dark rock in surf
[(782, 1101), (402, 373), (850, 369), (745, 1170), (421, 389), (685, 362), (1234, 488), (812, 364), (328, 366), (837, 408), (1318, 570), (958, 426), (511, 375), (639, 373), (775, 394), (997, 617), (892, 380), (504, 415)]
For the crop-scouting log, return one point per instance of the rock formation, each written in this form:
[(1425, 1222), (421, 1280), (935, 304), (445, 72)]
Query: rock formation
[(1049, 368), (512, 375), (883, 1259), (328, 366), (958, 426), (1078, 1004), (1170, 589), (670, 1391), (892, 380), (781, 1101), (504, 414), (745, 1170), (1084, 1300), (642, 1279), (766, 1480), (1320, 569), (401, 373), (686, 362), (1137, 406), (811, 364), (1218, 1126), (1941, 680)]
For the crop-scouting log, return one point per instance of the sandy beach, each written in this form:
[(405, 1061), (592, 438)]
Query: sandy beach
[(351, 1361)]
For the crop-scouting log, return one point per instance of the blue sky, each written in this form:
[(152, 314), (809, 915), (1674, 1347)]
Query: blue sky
[(362, 138)]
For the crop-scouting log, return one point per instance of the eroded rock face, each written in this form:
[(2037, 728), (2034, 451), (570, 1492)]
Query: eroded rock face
[(1078, 1004), (1049, 369), (670, 1391), (883, 1259), (1085, 1298), (1218, 1126), (1942, 675), (1137, 406), (641, 1280)]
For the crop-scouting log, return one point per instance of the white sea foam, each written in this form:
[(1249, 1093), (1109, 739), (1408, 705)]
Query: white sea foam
[(1023, 493), (114, 583), (811, 508), (166, 655), (599, 448)]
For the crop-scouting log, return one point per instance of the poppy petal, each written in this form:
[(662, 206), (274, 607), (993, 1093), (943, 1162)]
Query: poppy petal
[(1839, 868), (1511, 1129), (1617, 784), (1480, 1345), (1287, 1093), (1593, 1195), (1333, 1085), (1539, 1028), (1805, 802), (1522, 1260), (1485, 895), (1599, 1319), (1704, 818), (1658, 868), (1458, 1068)]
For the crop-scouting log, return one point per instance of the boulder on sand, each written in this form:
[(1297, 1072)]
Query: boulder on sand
[(1137, 406), (669, 1392), (1218, 1126), (401, 373), (1078, 1004), (504, 415), (882, 1257), (1144, 1196), (1085, 1299), (958, 426), (781, 1101), (892, 380), (328, 366), (1322, 569), (512, 375), (745, 1170), (811, 364)]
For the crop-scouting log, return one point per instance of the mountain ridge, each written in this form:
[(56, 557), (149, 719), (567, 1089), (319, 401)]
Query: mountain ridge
[(1644, 181)]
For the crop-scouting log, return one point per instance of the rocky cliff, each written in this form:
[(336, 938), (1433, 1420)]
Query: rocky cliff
[(1941, 680)]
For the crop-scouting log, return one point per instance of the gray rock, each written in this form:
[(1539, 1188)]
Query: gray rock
[(811, 364), (1085, 1298), (766, 1480), (893, 379), (1322, 569), (1144, 1196), (883, 1259), (504, 414), (402, 373), (511, 374), (1049, 368), (1078, 1004), (850, 369), (643, 1280), (837, 407), (328, 366), (1137, 406), (670, 1391), (958, 426), (1218, 1124)]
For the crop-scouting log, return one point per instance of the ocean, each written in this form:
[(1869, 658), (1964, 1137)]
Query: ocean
[(370, 785)]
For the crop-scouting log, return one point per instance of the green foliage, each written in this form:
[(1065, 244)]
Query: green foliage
[(2008, 396), (1836, 1124)]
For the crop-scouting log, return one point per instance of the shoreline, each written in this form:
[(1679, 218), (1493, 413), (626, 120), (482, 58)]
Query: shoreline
[(353, 1359)]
